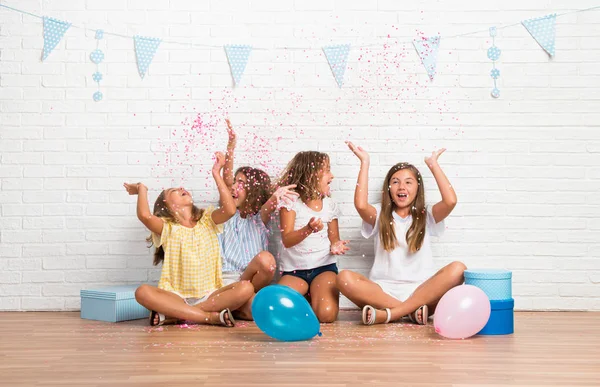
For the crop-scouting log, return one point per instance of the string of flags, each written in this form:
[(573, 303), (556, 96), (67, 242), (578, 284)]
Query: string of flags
[(542, 29)]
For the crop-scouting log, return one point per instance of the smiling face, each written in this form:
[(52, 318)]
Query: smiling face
[(403, 187), (178, 198), (325, 179), (239, 190)]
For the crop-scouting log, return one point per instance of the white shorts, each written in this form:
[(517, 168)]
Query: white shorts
[(399, 290), (228, 279)]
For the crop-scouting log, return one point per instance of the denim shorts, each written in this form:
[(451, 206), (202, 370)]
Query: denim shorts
[(310, 274)]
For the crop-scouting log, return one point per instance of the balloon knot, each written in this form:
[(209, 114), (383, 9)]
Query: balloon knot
[(320, 334)]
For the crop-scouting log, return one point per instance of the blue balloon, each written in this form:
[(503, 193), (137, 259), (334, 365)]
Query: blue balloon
[(282, 313)]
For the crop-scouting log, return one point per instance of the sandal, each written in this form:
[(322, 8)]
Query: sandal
[(414, 317), (162, 319), (222, 318), (372, 318)]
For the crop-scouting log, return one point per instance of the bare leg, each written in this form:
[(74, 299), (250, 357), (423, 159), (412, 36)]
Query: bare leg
[(429, 292), (325, 297), (170, 304), (298, 284), (232, 296), (260, 270)]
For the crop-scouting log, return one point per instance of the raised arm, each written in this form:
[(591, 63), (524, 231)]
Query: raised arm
[(444, 207), (284, 194), (291, 237), (228, 170), (152, 222), (367, 212), (227, 208)]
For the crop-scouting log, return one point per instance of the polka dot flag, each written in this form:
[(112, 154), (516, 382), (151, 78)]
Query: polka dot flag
[(543, 31), (145, 48), (427, 49), (53, 32), (337, 56), (237, 55)]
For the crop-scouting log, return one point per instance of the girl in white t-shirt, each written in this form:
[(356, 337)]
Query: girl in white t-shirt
[(308, 257), (402, 281)]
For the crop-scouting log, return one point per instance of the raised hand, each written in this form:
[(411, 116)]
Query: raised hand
[(362, 154), (134, 189), (433, 159), (339, 248), (285, 194), (232, 136), (219, 162)]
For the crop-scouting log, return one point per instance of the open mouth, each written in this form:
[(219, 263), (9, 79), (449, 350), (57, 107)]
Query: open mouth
[(402, 196)]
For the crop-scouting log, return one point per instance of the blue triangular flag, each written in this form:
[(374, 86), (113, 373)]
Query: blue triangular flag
[(53, 32), (337, 56), (237, 55), (543, 31), (145, 48), (427, 48)]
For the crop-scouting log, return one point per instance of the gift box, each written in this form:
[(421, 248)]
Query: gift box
[(112, 304)]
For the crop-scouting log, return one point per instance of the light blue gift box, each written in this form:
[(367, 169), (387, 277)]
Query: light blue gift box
[(112, 304)]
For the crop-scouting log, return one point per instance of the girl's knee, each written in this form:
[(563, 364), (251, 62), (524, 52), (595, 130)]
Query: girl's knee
[(245, 289), (458, 267), (345, 281), (143, 293), (266, 261), (327, 314)]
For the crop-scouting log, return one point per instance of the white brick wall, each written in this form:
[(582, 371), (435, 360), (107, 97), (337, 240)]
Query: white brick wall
[(525, 166)]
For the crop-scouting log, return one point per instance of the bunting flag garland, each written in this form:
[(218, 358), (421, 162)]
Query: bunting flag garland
[(54, 30), (337, 56), (145, 48), (237, 55), (543, 30), (493, 54), (427, 49)]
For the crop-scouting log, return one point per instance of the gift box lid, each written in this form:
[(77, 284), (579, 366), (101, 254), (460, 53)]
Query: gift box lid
[(502, 304), (121, 292), (488, 274)]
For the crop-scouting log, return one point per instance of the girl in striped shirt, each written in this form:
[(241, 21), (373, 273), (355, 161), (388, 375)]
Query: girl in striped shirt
[(244, 241)]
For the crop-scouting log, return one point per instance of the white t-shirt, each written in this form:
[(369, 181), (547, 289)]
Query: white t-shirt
[(314, 251), (398, 272)]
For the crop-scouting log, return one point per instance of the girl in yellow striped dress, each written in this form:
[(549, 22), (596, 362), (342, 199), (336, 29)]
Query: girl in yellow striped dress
[(185, 237)]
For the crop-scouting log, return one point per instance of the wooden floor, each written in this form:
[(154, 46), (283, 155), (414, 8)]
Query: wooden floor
[(60, 349)]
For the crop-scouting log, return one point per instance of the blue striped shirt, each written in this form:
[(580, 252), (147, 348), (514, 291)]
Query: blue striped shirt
[(241, 240)]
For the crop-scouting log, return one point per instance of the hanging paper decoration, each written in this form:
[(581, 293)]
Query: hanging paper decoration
[(145, 48), (428, 48), (543, 30), (53, 32), (493, 54), (337, 56), (97, 56), (237, 55)]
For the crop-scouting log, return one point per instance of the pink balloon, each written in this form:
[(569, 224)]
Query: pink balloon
[(462, 312)]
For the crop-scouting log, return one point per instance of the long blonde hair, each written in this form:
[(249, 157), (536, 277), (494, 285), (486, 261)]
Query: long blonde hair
[(162, 211), (304, 170), (416, 232)]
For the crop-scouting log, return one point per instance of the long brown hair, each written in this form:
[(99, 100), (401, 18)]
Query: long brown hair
[(304, 170), (258, 189), (162, 211), (416, 231)]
